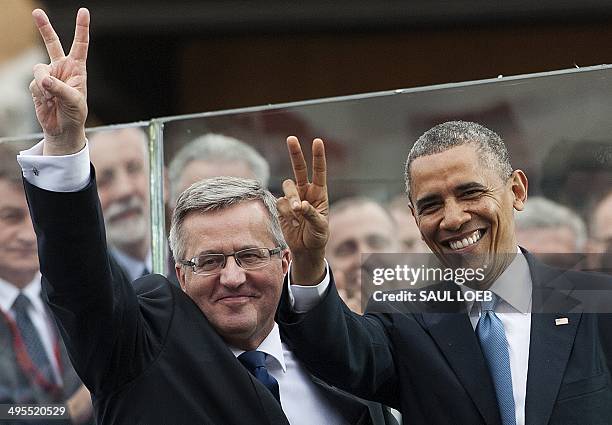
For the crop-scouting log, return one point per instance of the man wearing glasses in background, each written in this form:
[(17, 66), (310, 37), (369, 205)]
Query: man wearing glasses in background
[(152, 353)]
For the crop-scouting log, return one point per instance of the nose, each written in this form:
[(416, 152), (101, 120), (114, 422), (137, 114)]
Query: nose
[(454, 216), (124, 186), (232, 276)]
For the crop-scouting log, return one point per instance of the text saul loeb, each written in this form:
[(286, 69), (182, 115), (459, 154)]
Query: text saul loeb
[(425, 295)]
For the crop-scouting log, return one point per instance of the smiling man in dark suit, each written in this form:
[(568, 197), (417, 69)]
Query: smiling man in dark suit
[(208, 352), (537, 353)]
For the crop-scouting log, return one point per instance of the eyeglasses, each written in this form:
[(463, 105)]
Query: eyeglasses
[(247, 259)]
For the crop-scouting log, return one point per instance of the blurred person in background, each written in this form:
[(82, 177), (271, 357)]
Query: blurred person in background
[(358, 226), (408, 231), (555, 232), (34, 364), (213, 155), (120, 158)]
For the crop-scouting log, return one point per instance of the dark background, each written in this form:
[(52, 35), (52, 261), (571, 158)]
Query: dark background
[(158, 58)]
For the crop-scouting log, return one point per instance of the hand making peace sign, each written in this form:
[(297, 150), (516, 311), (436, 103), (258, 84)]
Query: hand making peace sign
[(303, 213), (59, 89)]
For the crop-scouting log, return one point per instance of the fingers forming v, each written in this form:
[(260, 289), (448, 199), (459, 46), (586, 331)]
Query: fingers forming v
[(298, 163), (319, 164), (80, 44), (52, 41)]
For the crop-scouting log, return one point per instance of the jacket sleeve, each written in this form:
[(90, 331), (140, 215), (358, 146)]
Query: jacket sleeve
[(94, 304), (349, 351)]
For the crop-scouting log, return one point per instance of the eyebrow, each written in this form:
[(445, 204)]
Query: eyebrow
[(214, 251), (470, 185)]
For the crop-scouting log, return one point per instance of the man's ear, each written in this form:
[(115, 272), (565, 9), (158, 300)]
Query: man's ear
[(180, 275), (519, 186), (286, 258)]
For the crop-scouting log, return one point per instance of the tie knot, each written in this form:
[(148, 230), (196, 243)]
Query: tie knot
[(253, 359), (489, 305), (21, 303)]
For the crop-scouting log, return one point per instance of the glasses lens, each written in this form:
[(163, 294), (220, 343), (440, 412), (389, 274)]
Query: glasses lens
[(208, 263), (252, 258)]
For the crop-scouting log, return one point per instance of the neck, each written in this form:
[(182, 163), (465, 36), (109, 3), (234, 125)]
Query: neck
[(250, 342), (19, 279)]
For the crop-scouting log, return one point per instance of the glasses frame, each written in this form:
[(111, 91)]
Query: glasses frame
[(191, 263)]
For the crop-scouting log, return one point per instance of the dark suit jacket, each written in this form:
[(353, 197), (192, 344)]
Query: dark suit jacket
[(145, 350), (429, 364)]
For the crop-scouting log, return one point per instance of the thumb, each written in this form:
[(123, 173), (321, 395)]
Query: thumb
[(62, 91), (312, 215)]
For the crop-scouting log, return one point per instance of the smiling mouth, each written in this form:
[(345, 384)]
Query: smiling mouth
[(467, 241), (235, 299)]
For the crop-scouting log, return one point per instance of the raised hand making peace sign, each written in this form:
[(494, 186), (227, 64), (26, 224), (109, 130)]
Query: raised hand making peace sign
[(303, 213), (59, 89)]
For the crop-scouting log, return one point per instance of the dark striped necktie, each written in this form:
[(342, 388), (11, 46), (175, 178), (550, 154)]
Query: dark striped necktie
[(255, 362), (31, 338)]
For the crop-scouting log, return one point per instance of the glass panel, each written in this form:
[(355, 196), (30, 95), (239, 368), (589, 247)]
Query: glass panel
[(556, 127), (120, 156)]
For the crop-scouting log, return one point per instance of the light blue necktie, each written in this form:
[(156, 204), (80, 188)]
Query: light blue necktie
[(492, 337)]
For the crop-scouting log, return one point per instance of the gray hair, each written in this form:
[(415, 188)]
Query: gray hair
[(218, 148), (217, 194), (442, 137), (540, 212)]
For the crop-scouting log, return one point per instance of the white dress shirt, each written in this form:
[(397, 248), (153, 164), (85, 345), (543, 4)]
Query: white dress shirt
[(513, 287), (38, 315), (303, 401)]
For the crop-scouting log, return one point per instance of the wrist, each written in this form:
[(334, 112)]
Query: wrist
[(308, 269), (66, 143)]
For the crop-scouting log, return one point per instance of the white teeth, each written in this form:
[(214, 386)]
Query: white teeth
[(470, 240)]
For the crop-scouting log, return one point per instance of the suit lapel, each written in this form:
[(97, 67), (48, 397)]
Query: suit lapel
[(353, 409), (456, 339), (550, 344)]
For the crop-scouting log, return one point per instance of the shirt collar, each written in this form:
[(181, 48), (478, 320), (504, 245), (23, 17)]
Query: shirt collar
[(271, 345), (9, 292), (513, 286), (132, 266)]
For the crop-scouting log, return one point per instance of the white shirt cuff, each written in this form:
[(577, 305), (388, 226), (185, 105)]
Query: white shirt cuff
[(304, 298), (67, 173)]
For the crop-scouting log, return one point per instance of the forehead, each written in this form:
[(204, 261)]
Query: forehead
[(105, 146), (361, 219), (11, 194), (243, 225), (446, 170)]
